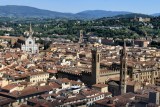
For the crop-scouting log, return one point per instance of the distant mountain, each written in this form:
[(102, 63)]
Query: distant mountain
[(132, 15), (94, 14), (26, 11), (156, 14)]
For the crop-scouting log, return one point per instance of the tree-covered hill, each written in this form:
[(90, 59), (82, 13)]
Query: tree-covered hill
[(26, 11)]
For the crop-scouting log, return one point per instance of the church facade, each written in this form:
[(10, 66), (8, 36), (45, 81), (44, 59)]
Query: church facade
[(30, 46)]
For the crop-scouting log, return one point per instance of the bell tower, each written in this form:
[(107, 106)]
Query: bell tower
[(95, 66), (81, 36), (30, 30), (123, 69)]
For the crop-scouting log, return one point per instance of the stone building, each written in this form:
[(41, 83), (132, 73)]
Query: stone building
[(38, 77), (97, 74), (30, 46), (141, 43), (123, 84), (123, 69), (125, 66), (81, 36)]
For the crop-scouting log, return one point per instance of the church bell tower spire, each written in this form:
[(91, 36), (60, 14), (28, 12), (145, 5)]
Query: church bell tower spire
[(30, 30)]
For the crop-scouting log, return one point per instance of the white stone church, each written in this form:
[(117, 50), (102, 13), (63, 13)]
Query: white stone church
[(30, 46)]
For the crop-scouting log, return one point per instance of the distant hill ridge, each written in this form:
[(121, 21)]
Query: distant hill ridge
[(156, 14), (100, 13), (26, 11)]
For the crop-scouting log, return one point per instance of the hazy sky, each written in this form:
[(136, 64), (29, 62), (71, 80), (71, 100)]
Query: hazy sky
[(139, 6)]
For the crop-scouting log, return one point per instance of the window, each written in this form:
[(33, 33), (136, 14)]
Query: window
[(98, 58), (155, 73), (30, 42), (30, 49)]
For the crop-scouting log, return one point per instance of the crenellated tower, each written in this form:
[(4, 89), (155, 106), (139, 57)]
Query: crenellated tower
[(95, 66), (123, 69)]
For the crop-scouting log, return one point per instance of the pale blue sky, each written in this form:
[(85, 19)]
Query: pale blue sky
[(138, 6)]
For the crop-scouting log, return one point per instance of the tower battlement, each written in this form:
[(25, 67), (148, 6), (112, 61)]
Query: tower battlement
[(86, 73)]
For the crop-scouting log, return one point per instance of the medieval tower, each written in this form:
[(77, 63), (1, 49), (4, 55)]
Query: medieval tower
[(81, 36), (123, 69), (95, 66)]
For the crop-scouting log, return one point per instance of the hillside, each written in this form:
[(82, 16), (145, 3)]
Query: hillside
[(94, 14), (132, 15), (26, 11), (156, 14)]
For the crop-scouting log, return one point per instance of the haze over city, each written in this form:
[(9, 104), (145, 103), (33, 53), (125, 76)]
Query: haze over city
[(74, 6)]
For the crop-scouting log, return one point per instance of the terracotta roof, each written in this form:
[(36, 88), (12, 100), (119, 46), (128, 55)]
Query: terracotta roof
[(44, 103), (5, 101), (10, 86), (76, 98), (100, 85), (52, 71), (75, 82), (54, 85), (103, 102), (89, 92), (28, 91), (8, 37), (64, 80)]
